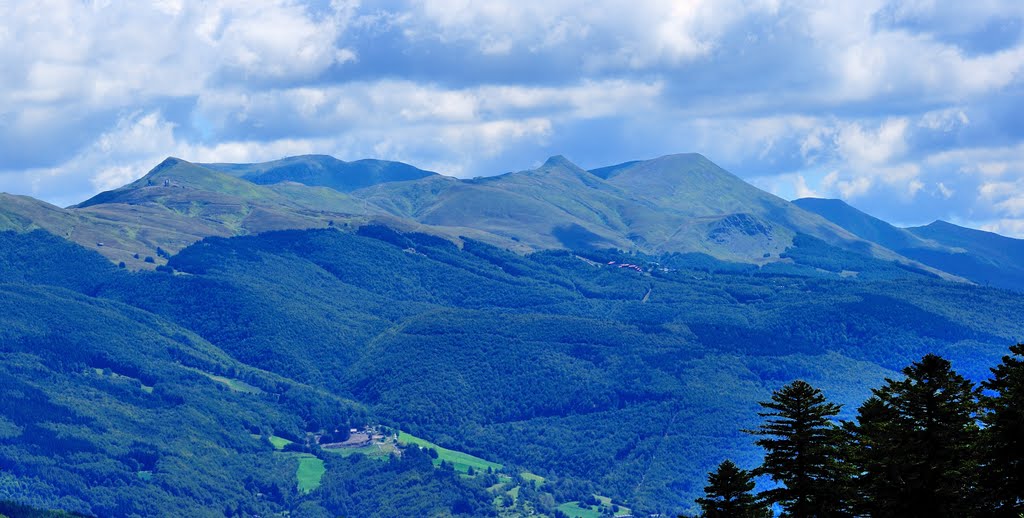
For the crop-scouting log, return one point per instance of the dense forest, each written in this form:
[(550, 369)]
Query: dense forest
[(146, 393), (929, 444)]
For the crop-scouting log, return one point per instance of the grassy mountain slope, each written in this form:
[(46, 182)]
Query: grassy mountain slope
[(555, 206), (181, 186), (676, 203), (177, 204), (325, 171), (718, 213), (680, 203), (979, 256)]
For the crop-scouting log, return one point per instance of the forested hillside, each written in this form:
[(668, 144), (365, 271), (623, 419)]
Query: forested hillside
[(606, 373), (108, 410)]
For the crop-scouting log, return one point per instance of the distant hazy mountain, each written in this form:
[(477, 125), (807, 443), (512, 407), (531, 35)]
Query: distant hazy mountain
[(324, 171), (979, 256), (862, 224)]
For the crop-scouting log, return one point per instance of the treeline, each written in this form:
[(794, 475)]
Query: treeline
[(932, 444)]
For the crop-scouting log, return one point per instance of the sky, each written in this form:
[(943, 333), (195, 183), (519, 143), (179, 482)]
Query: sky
[(910, 110)]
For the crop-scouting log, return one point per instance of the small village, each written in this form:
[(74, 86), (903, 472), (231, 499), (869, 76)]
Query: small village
[(359, 440)]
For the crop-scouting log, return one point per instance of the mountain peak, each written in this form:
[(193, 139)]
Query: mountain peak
[(941, 223), (167, 163), (822, 201), (559, 161)]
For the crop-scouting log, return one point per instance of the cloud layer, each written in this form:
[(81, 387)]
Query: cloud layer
[(909, 109)]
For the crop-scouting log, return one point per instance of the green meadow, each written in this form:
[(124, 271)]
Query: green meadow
[(461, 461), (311, 470)]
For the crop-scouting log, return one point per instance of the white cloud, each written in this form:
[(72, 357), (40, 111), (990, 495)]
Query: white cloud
[(813, 143), (986, 162), (646, 33), (868, 59), (1006, 227), (854, 187), (801, 188), (490, 138), (276, 39), (991, 168), (946, 120), (865, 156), (1005, 195), (846, 187), (130, 149), (1012, 206), (914, 186), (946, 192), (387, 103), (736, 137), (1003, 200), (83, 57), (872, 146)]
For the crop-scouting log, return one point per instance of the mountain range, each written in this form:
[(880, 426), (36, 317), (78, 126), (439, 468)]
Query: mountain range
[(678, 203), (577, 336)]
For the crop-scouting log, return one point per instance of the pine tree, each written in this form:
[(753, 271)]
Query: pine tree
[(1003, 437), (802, 450), (728, 494), (867, 439), (915, 444)]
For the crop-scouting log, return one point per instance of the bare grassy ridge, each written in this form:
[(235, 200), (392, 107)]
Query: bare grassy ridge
[(676, 203)]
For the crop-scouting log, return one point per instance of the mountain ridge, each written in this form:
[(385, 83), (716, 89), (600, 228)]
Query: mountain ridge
[(980, 256), (323, 170), (679, 203)]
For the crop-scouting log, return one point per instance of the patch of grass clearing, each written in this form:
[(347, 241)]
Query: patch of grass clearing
[(279, 442), (574, 510), (459, 460), (309, 473), (231, 383), (577, 510), (531, 477), (234, 385)]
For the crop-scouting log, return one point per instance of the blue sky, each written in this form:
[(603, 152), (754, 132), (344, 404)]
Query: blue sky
[(911, 110)]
